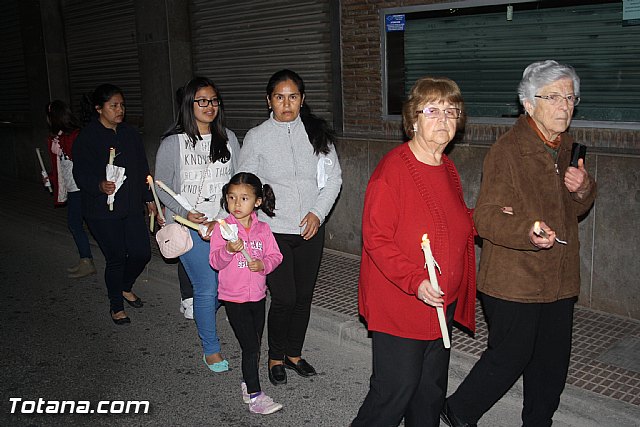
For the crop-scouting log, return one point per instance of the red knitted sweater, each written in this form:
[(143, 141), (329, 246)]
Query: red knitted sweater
[(401, 205)]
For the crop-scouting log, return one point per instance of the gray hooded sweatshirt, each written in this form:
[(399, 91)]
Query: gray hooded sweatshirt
[(280, 154)]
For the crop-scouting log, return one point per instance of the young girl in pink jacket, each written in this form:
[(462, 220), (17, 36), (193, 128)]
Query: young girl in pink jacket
[(242, 280)]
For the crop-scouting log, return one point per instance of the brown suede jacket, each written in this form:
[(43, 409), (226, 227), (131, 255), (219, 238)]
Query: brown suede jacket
[(519, 172)]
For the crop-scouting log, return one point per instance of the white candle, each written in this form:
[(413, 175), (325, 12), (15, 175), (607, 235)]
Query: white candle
[(112, 155), (155, 199), (201, 228), (430, 262), (177, 197), (43, 171), (229, 231)]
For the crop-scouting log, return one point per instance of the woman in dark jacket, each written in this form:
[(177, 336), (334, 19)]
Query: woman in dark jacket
[(121, 233)]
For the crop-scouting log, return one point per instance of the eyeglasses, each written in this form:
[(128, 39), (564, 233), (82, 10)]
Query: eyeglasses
[(434, 113), (556, 99), (205, 102)]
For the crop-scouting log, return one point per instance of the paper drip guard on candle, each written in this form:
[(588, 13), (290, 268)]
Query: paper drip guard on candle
[(177, 197), (431, 268), (232, 236), (200, 228), (43, 171), (541, 233)]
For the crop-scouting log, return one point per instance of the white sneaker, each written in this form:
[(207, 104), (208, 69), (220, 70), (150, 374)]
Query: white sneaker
[(186, 308), (245, 396), (263, 405)]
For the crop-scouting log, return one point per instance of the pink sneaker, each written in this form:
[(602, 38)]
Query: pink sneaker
[(263, 405)]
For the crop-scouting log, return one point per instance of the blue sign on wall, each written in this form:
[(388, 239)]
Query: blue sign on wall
[(394, 22)]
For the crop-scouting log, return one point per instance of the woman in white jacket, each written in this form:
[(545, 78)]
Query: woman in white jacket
[(294, 152)]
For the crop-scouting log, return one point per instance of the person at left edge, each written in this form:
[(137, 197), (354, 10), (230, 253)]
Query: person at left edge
[(122, 232), (64, 128)]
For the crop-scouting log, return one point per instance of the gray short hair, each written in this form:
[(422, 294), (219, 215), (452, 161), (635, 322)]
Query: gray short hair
[(542, 73)]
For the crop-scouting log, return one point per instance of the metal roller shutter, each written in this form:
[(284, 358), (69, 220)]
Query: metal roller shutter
[(486, 54), (13, 84), (239, 45), (102, 48)]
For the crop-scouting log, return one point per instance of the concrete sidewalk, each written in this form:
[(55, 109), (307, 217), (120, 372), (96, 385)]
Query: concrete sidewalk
[(336, 337)]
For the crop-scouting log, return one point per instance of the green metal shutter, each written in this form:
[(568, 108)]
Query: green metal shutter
[(486, 54), (239, 45), (102, 48)]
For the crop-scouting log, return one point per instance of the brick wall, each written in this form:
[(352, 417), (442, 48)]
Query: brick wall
[(362, 86)]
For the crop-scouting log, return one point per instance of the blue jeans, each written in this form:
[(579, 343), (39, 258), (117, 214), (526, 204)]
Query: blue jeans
[(205, 292), (74, 222)]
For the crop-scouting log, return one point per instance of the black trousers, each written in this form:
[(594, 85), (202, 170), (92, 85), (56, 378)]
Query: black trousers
[(247, 321), (291, 286), (186, 289), (529, 339), (124, 242), (409, 381)]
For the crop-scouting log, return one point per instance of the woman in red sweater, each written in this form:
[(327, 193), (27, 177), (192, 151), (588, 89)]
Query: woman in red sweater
[(415, 190)]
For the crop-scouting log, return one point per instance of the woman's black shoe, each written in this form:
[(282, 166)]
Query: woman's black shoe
[(137, 303), (302, 368), (277, 375), (121, 321), (448, 417)]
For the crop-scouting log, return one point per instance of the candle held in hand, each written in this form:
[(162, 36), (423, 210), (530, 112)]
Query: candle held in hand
[(433, 278), (112, 156), (155, 199), (43, 171), (229, 231)]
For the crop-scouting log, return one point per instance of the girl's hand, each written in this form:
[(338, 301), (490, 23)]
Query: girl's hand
[(234, 247), (198, 218), (311, 224), (428, 295), (256, 265)]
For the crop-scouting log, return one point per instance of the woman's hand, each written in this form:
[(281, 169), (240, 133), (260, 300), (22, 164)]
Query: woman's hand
[(256, 265), (210, 226), (311, 224), (107, 187), (234, 247), (540, 241), (198, 218), (575, 179), (428, 295)]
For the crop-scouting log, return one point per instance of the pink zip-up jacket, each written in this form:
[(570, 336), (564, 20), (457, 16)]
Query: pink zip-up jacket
[(236, 282)]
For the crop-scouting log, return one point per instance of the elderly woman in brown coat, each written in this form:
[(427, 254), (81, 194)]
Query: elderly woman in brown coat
[(528, 279)]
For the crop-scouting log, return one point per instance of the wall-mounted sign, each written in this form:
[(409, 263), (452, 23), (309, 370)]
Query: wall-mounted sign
[(630, 12), (394, 22)]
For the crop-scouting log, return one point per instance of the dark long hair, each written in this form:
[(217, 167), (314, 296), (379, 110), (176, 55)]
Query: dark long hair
[(186, 120), (60, 118), (264, 192), (318, 130), (97, 98)]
